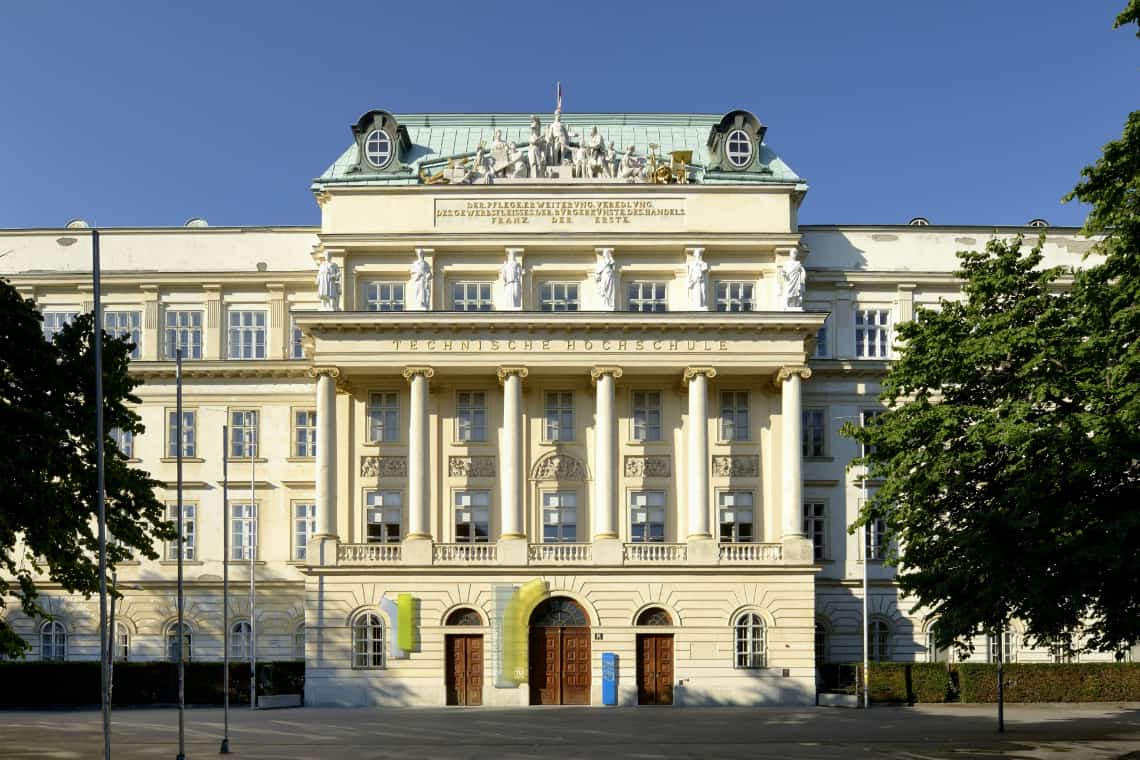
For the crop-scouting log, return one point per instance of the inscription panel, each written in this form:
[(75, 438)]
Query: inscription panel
[(559, 213)]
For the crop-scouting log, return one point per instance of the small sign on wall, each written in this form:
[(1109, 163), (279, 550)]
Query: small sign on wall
[(598, 636)]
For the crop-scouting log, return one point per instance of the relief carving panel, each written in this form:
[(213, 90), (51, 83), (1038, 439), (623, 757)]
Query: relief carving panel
[(648, 467), (739, 466), (383, 467), (559, 467), (471, 467)]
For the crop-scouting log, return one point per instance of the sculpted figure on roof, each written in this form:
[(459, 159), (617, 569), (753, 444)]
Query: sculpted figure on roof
[(536, 149), (558, 140)]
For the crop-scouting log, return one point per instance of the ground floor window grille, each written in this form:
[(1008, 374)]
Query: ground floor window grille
[(751, 644)]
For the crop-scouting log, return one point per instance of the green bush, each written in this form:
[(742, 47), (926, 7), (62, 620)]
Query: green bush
[(909, 682), (44, 684), (1046, 682)]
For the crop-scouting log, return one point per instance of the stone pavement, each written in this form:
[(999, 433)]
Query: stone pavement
[(915, 733)]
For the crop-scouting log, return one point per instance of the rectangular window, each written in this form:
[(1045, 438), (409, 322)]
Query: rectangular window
[(243, 531), (124, 441), (822, 351), (188, 531), (559, 517), (647, 415), (304, 526), (384, 296), (734, 416), (815, 528), (877, 541), (559, 416), (54, 321), (1008, 646), (383, 416), (471, 296), (471, 416), (647, 516), (735, 510), (646, 296), (735, 296), (813, 433), (304, 433), (183, 331), (472, 517), (296, 347), (247, 335), (119, 324), (872, 333), (559, 296), (868, 417), (189, 433), (382, 511), (243, 433)]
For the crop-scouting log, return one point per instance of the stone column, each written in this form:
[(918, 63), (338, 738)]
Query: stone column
[(510, 470), (419, 464), (697, 379), (791, 446), (605, 453), (326, 450)]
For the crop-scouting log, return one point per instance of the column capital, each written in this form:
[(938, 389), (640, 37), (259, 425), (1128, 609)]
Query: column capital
[(597, 372), (505, 372), (691, 372), (333, 372), (785, 372), (410, 372)]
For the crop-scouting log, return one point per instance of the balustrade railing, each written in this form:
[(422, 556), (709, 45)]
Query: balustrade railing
[(751, 553), (461, 554), (367, 554), (639, 552), (554, 554)]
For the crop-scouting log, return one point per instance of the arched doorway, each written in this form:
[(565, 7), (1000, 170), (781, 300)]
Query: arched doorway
[(463, 659), (559, 653), (654, 659)]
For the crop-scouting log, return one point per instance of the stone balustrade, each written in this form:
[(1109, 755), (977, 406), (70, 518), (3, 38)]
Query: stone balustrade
[(464, 554), (368, 554), (652, 553), (751, 553), (560, 554)]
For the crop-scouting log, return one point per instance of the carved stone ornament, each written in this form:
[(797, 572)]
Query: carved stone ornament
[(691, 372), (739, 466), (648, 467), (785, 372), (410, 372), (559, 467), (596, 372), (471, 467), (505, 372), (383, 467)]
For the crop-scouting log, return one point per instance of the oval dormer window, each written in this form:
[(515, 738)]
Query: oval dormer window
[(738, 148), (378, 148)]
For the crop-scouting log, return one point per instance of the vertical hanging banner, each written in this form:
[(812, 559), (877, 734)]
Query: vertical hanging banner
[(390, 608), (501, 595), (406, 628), (513, 662)]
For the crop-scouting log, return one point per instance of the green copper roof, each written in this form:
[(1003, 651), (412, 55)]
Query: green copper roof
[(435, 137)]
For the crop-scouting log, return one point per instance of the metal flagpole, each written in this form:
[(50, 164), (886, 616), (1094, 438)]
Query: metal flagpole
[(225, 748), (111, 639), (252, 548), (97, 335), (181, 545), (866, 622)]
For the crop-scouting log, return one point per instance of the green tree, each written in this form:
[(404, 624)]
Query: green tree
[(47, 461)]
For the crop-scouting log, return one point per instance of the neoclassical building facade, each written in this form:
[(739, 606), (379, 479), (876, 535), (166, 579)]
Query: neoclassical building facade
[(530, 396)]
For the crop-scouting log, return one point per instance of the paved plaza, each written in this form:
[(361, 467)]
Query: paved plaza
[(960, 731)]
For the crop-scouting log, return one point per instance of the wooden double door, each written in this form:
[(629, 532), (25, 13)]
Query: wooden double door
[(559, 665), (654, 669), (463, 664)]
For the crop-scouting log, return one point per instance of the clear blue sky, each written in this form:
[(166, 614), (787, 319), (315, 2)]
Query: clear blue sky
[(148, 113)]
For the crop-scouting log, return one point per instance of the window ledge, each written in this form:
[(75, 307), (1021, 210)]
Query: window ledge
[(648, 444), (300, 459), (384, 444), (245, 460), (129, 563), (296, 562), (173, 562), (173, 460), (819, 459), (257, 562)]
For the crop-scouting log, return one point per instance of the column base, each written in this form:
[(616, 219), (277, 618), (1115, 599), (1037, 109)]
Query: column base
[(418, 537), (512, 536), (325, 544)]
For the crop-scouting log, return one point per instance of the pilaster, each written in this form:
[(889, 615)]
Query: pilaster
[(279, 335), (212, 332), (151, 330)]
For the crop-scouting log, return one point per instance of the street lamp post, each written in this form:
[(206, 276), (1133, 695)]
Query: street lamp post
[(181, 549), (225, 748), (252, 549), (97, 345)]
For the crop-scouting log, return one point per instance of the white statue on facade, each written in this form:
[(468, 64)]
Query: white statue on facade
[(536, 149), (698, 280), (557, 139), (511, 274), (604, 276), (630, 167), (421, 283), (611, 161), (793, 282), (328, 283), (597, 152)]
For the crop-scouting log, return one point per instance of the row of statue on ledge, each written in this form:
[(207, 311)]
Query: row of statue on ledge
[(793, 280), (558, 152)]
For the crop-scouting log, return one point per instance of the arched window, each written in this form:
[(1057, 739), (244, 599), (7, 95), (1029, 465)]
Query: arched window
[(820, 644), (299, 642), (368, 641), (172, 643), (751, 641), (122, 643), (878, 641), (559, 612), (464, 616), (53, 641), (239, 640), (654, 616)]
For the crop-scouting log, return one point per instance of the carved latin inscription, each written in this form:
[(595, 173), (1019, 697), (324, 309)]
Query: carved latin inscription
[(471, 467), (746, 466), (648, 467), (384, 467)]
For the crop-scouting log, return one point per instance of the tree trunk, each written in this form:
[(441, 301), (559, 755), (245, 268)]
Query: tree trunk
[(1000, 682)]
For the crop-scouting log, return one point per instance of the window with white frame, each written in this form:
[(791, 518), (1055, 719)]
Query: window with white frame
[(822, 349), (646, 415), (559, 517), (243, 531), (122, 646), (384, 296), (751, 641), (124, 442), (243, 433), (471, 296), (1062, 648), (813, 432), (878, 640), (868, 417), (367, 641), (189, 433), (472, 517), (471, 416), (299, 642), (558, 296), (646, 296), (246, 334), (183, 331), (304, 432), (383, 416), (872, 333), (735, 510), (297, 344), (53, 641), (877, 541), (120, 324), (559, 416), (304, 526), (382, 513), (735, 296), (815, 528), (54, 321), (1008, 646), (240, 635), (378, 148), (738, 148), (179, 645), (647, 516), (189, 531), (734, 416)]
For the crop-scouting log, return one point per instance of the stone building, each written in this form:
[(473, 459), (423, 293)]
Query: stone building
[(529, 395)]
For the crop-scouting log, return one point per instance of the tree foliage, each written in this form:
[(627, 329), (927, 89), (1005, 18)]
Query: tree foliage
[(47, 460)]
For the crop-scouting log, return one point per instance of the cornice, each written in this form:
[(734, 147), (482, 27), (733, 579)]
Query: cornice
[(873, 368), (143, 279), (619, 241), (229, 368)]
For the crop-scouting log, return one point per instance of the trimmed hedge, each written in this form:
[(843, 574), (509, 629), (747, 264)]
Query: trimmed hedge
[(1046, 682), (56, 684)]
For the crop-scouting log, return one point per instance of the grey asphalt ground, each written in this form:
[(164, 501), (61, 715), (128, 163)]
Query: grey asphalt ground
[(914, 733)]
